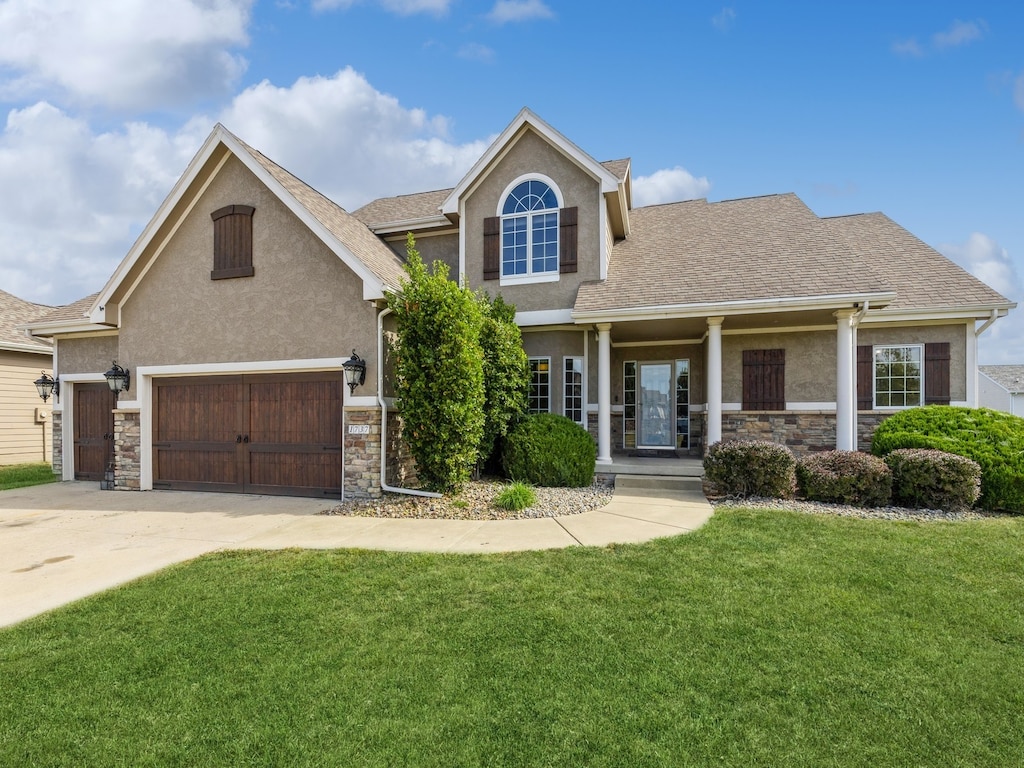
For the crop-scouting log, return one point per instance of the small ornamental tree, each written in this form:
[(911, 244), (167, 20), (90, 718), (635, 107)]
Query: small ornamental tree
[(439, 367), (506, 372)]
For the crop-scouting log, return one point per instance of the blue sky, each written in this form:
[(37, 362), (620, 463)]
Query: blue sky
[(913, 108)]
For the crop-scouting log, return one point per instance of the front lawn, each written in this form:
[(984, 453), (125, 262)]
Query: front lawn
[(21, 475), (763, 639)]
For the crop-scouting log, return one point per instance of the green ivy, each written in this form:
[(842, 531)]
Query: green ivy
[(440, 372)]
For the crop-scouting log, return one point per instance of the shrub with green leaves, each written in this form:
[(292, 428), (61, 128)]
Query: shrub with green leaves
[(751, 468), (551, 451), (992, 438), (506, 372), (845, 477), (515, 497), (933, 479), (439, 367)]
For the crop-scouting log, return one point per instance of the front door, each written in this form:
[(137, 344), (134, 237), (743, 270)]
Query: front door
[(94, 430), (656, 423)]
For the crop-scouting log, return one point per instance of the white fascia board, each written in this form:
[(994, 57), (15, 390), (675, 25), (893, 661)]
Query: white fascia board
[(30, 348), (410, 225), (58, 327), (747, 307), (978, 312), (217, 135), (609, 183), (544, 317)]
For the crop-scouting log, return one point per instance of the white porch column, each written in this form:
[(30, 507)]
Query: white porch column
[(846, 389), (604, 393), (714, 379)]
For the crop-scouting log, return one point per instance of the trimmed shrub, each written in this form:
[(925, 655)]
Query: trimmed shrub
[(515, 496), (551, 451), (992, 438), (933, 479), (751, 468), (845, 477)]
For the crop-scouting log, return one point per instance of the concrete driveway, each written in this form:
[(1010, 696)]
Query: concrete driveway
[(64, 541)]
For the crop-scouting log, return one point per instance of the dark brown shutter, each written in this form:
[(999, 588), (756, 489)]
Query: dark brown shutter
[(232, 242), (936, 373), (764, 379), (568, 239), (865, 377), (492, 248)]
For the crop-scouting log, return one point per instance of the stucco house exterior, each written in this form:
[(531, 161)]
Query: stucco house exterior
[(1001, 387), (25, 433), (664, 328)]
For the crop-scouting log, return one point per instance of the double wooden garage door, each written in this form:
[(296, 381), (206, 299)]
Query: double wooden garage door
[(274, 434)]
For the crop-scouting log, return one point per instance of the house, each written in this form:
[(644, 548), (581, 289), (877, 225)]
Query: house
[(1001, 387), (664, 328), (25, 434)]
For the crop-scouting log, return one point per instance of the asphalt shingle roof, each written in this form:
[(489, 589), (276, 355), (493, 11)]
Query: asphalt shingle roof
[(1009, 377), (15, 312)]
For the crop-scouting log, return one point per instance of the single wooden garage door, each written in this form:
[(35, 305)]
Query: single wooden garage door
[(278, 434)]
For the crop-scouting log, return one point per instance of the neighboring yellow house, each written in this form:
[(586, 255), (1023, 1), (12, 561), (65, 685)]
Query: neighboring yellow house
[(25, 430)]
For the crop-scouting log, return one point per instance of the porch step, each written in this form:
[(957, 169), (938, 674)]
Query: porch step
[(623, 465), (658, 482)]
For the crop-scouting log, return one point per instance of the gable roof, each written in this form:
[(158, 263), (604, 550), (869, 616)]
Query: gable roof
[(15, 313), (376, 265), (1009, 377), (67, 318), (758, 251)]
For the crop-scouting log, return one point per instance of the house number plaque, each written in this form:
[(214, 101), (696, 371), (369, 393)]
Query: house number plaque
[(359, 429)]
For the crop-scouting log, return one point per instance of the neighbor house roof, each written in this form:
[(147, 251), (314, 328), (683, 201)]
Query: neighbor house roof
[(1009, 377), (14, 313), (697, 253)]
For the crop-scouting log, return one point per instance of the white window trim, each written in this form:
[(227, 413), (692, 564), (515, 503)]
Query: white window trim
[(539, 359), (550, 276), (582, 421), (874, 381)]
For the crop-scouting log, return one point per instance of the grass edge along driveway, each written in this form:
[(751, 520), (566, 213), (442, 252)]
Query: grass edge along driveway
[(765, 638)]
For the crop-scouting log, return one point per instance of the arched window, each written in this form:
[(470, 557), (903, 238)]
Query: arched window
[(529, 230)]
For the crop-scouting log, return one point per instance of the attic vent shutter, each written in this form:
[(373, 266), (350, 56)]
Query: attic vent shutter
[(492, 248), (764, 379), (865, 377), (232, 242), (936, 373), (567, 218)]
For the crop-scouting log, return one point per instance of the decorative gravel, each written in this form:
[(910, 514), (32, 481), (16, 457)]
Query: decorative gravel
[(476, 502), (876, 513)]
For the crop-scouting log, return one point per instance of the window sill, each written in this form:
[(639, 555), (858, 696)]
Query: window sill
[(547, 277)]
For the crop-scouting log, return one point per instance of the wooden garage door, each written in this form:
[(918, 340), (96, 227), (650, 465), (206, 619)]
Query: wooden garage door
[(249, 434), (94, 430)]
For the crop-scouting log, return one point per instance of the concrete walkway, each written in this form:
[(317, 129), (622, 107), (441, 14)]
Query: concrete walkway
[(64, 541)]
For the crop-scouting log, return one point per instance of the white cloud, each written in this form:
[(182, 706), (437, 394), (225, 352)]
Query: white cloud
[(908, 48), (400, 7), (143, 55), (505, 11), (723, 20), (668, 185), (960, 33), (476, 52)]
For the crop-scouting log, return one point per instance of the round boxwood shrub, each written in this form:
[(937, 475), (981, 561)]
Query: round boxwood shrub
[(548, 450), (845, 477), (933, 479), (750, 468), (992, 438)]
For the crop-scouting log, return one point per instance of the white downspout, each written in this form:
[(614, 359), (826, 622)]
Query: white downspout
[(984, 326), (384, 417)]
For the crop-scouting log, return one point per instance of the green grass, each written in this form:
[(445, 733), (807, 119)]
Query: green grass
[(22, 475), (763, 639), (515, 496)]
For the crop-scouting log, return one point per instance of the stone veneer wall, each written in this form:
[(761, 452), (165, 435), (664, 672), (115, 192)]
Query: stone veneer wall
[(57, 428), (362, 455), (401, 466), (127, 445), (803, 431)]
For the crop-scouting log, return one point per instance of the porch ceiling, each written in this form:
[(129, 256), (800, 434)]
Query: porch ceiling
[(694, 328)]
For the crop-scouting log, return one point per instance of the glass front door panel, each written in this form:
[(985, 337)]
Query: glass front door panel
[(657, 414)]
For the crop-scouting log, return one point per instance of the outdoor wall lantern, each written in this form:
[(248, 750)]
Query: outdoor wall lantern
[(47, 386), (118, 379), (355, 371)]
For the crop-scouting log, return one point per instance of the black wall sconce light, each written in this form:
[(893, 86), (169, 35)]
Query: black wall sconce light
[(118, 379), (355, 371), (46, 386)]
